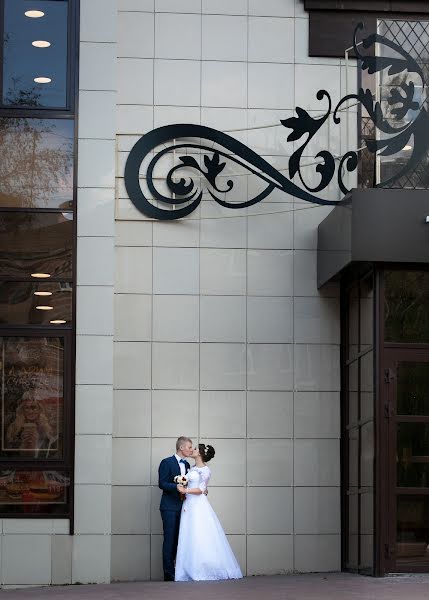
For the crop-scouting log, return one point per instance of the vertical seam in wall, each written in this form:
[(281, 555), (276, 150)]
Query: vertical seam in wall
[(293, 323), (151, 325), (247, 292), (199, 238)]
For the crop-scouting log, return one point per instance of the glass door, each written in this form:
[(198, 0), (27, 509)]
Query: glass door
[(406, 412)]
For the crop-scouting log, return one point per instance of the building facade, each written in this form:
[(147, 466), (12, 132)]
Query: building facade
[(123, 331)]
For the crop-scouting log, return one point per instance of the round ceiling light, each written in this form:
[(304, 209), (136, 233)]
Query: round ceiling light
[(41, 44), (43, 293), (40, 275), (34, 14), (44, 307), (42, 79), (58, 322)]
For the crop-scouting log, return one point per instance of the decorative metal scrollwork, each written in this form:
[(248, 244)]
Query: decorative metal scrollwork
[(200, 166)]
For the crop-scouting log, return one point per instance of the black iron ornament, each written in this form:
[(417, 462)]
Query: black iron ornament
[(204, 159)]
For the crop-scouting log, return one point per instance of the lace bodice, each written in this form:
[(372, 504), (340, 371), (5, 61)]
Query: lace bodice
[(199, 477)]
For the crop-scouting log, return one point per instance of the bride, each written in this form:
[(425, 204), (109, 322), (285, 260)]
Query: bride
[(203, 552)]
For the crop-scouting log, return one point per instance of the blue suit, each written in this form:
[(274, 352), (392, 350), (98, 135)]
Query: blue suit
[(170, 507)]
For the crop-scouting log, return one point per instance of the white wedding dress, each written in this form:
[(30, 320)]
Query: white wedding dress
[(203, 552)]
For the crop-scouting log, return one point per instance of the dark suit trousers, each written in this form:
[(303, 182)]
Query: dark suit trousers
[(171, 523)]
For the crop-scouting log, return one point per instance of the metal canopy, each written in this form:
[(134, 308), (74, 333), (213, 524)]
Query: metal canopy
[(374, 225)]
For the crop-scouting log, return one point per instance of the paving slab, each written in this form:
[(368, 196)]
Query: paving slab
[(335, 586)]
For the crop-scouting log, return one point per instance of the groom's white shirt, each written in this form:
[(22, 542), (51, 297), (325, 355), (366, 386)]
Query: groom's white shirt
[(181, 465)]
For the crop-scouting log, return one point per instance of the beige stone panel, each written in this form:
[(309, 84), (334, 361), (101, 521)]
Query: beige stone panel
[(131, 461), (132, 365), (175, 366), (270, 414), (269, 554), (130, 558), (223, 414), (317, 415), (269, 510), (173, 411), (238, 546), (133, 317), (229, 503), (133, 270), (269, 462), (131, 509), (162, 448), (132, 413), (156, 572), (317, 510), (228, 467), (317, 553), (26, 559), (61, 559), (91, 559), (317, 462), (92, 505)]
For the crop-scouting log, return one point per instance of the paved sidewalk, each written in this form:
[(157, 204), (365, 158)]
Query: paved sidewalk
[(336, 586)]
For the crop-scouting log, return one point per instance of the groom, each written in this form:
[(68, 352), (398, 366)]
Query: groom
[(171, 502)]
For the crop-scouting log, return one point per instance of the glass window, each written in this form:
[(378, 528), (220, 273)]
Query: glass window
[(36, 163), (353, 393), (36, 304), (353, 322), (33, 492), (406, 306), (367, 455), (412, 531), (413, 388), (35, 41), (36, 245), (353, 532), (32, 397), (367, 372), (366, 313), (413, 454)]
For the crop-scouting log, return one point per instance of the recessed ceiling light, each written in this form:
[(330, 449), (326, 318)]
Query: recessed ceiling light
[(41, 44), (43, 293), (408, 147), (42, 79), (34, 14), (44, 307), (40, 275), (58, 321)]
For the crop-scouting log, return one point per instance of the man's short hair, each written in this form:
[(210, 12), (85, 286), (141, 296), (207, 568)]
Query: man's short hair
[(182, 440)]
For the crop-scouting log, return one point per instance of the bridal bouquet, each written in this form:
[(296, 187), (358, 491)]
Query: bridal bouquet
[(181, 480)]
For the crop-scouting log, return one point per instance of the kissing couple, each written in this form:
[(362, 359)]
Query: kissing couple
[(195, 547)]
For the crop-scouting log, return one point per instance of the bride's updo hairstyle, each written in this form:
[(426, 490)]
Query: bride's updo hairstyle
[(207, 452)]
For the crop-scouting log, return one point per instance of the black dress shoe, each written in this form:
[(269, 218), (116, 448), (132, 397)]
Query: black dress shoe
[(168, 578)]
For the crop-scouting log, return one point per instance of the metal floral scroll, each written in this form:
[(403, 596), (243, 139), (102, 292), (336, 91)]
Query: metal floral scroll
[(200, 153)]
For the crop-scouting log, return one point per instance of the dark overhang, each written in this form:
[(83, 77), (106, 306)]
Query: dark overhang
[(332, 22), (374, 225)]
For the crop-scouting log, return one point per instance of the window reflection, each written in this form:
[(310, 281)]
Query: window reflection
[(24, 62), (33, 491), (36, 163), (32, 398), (19, 303), (406, 306), (413, 531), (32, 243)]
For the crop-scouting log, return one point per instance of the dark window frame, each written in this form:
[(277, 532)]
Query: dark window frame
[(71, 79), (384, 525), (67, 331)]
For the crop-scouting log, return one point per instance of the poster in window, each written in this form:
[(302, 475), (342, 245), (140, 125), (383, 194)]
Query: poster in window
[(31, 397)]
